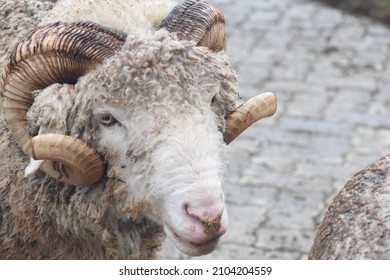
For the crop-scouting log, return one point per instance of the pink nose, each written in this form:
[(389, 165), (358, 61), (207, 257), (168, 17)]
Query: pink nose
[(208, 222)]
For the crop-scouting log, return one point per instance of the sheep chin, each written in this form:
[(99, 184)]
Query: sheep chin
[(190, 248)]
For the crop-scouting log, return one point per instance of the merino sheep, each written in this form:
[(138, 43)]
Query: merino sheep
[(120, 131), (356, 224)]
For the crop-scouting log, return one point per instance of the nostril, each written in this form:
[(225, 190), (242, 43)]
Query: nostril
[(197, 212), (209, 212), (190, 212), (186, 206), (205, 222), (205, 215)]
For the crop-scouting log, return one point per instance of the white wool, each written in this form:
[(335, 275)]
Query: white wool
[(121, 15)]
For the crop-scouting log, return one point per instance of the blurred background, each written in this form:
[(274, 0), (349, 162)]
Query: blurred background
[(328, 63)]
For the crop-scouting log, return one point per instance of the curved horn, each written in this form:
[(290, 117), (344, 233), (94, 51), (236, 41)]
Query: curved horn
[(256, 108), (198, 20), (83, 164), (55, 53)]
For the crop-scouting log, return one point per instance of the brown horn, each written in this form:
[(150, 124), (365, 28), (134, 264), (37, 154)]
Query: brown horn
[(200, 21), (83, 164), (54, 53), (256, 108)]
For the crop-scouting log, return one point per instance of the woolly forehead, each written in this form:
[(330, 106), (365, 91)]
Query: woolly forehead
[(157, 69)]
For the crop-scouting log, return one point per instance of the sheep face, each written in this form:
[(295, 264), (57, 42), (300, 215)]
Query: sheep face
[(159, 125), (155, 111), (173, 167)]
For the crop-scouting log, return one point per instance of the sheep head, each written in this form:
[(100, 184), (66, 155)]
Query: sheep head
[(150, 112)]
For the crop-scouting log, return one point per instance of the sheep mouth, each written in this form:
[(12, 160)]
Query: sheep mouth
[(191, 248)]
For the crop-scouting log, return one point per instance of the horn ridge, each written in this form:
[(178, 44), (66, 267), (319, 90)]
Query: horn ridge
[(71, 38), (198, 20)]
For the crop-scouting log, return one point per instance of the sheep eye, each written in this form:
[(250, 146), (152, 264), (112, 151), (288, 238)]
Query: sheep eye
[(107, 119)]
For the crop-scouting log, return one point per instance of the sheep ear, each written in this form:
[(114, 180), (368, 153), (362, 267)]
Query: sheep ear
[(199, 21), (33, 167)]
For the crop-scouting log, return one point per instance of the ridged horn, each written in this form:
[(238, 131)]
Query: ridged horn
[(83, 164), (256, 108), (54, 53), (199, 21)]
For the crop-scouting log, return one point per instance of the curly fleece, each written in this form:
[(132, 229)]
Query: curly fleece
[(42, 218)]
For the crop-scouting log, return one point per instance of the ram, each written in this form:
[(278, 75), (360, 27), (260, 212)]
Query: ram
[(113, 133), (356, 224)]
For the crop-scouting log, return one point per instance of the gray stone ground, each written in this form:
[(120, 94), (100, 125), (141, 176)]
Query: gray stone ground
[(331, 74)]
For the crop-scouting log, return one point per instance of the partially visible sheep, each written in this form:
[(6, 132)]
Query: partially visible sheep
[(356, 224), (147, 116)]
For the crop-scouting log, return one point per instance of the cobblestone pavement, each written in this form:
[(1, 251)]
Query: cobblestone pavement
[(331, 74)]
